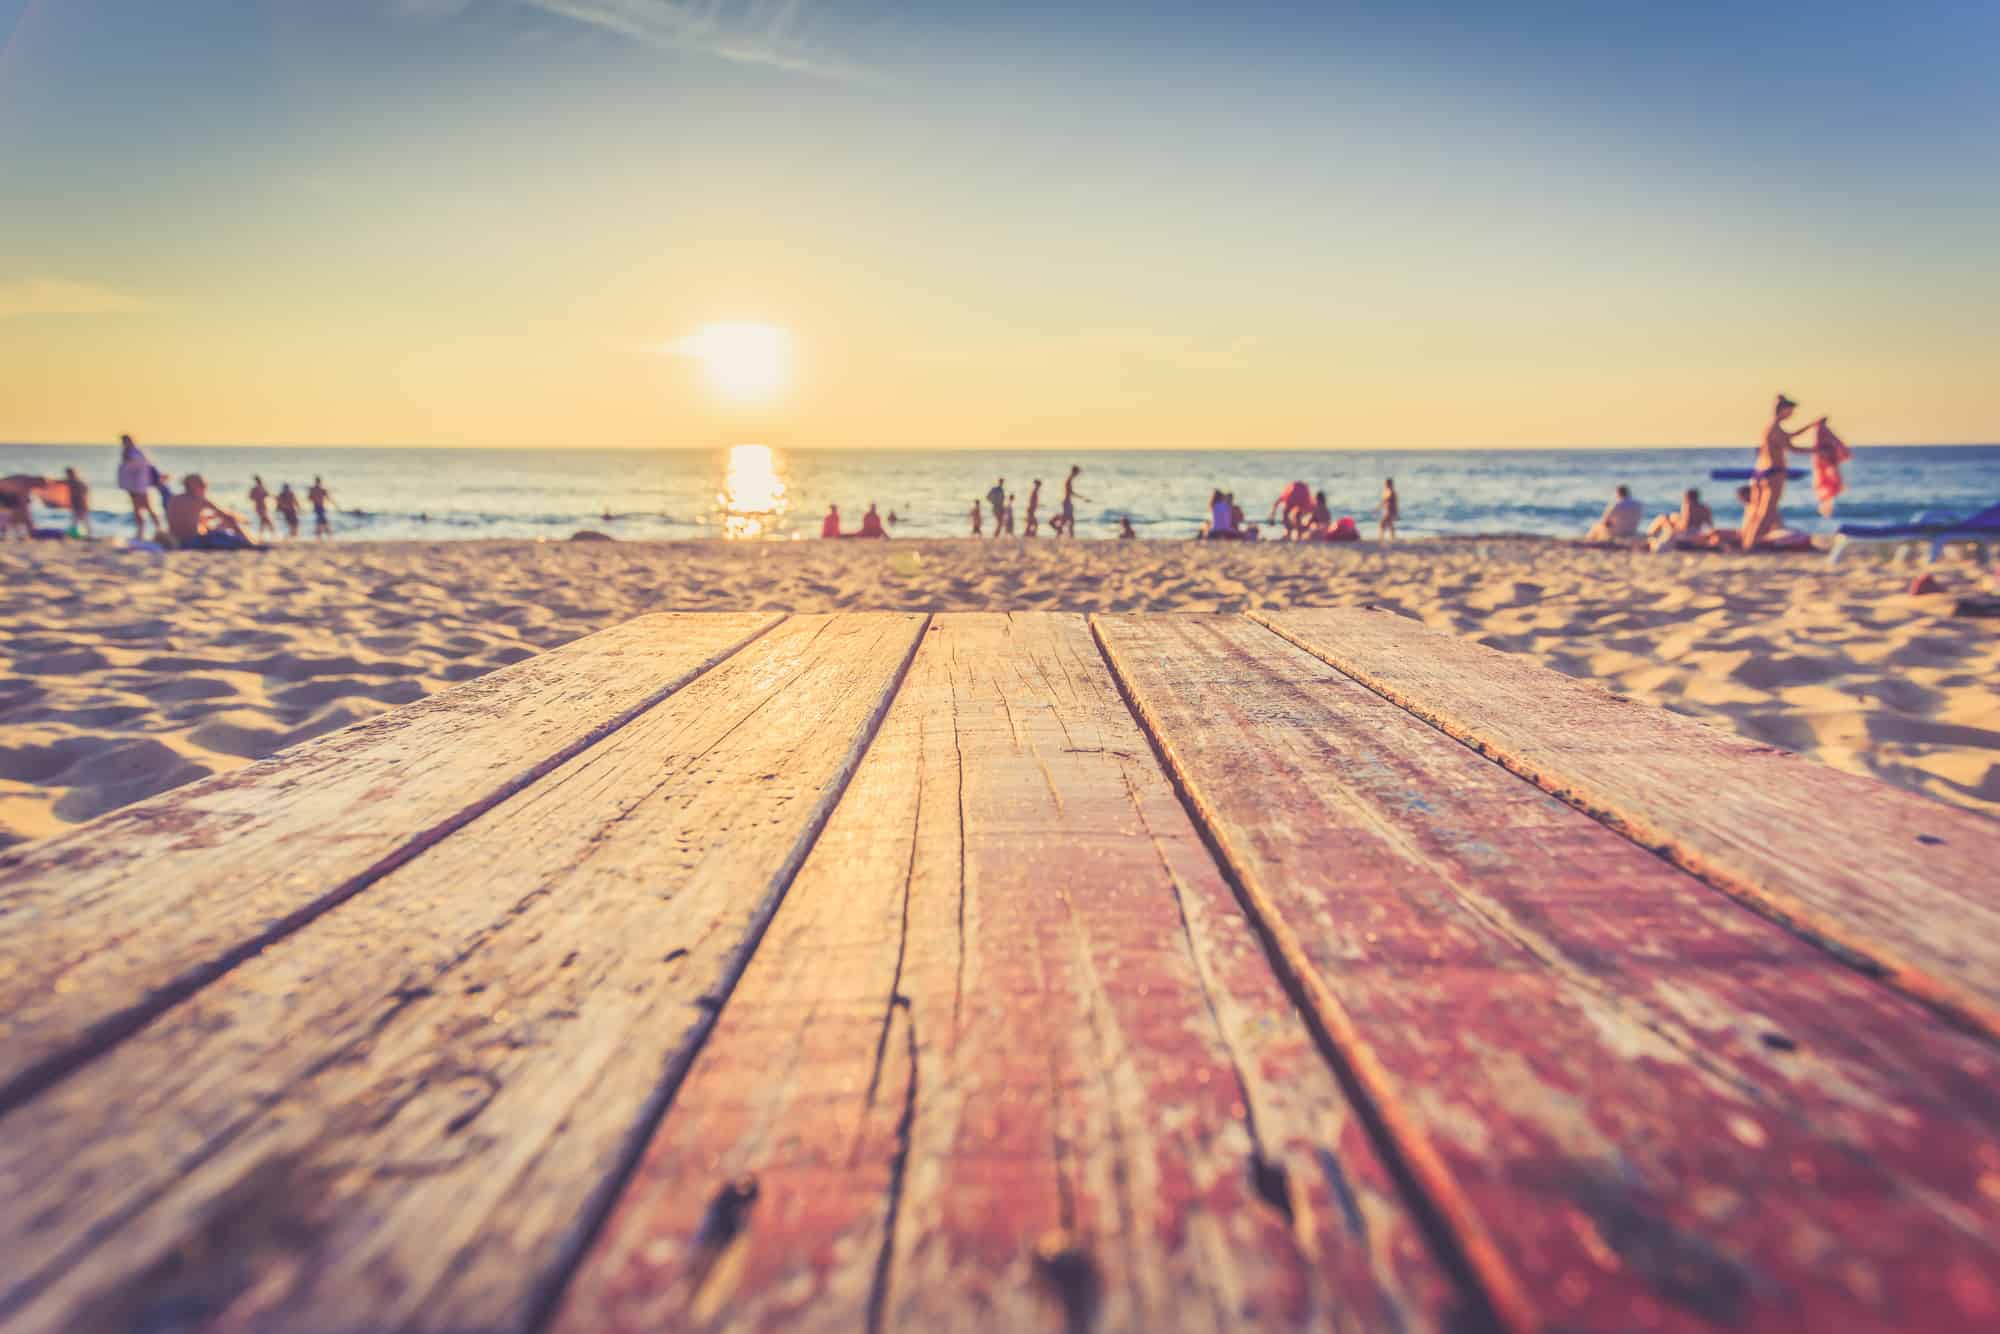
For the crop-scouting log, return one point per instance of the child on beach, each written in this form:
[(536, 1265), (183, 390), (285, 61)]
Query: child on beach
[(1034, 503), (1125, 533), (1007, 517), (79, 503), (288, 508), (1386, 511), (977, 511)]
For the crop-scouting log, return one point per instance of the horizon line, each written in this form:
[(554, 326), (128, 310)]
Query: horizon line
[(984, 449)]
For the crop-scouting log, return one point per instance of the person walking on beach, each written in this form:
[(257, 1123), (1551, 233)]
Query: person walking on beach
[(1034, 503), (1767, 481), (1065, 523), (978, 512), (1386, 511), (288, 508), (79, 504), (320, 498), (997, 498), (135, 479), (261, 498)]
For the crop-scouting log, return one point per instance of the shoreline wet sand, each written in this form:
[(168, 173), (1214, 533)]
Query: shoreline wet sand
[(123, 674)]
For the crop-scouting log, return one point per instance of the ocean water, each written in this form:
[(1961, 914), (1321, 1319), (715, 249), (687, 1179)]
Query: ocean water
[(752, 492)]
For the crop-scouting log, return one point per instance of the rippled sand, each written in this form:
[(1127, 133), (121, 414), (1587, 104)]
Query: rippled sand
[(123, 674)]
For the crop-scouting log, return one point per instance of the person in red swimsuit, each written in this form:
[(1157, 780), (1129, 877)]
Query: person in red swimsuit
[(1297, 503), (830, 525)]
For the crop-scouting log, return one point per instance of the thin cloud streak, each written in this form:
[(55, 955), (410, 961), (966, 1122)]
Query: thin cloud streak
[(757, 32), (22, 297)]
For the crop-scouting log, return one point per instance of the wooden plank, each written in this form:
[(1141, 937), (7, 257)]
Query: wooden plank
[(407, 1115), (1894, 879), (102, 928), (1010, 1057), (1637, 1104)]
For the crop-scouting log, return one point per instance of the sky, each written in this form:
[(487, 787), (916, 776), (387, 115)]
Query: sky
[(1029, 224)]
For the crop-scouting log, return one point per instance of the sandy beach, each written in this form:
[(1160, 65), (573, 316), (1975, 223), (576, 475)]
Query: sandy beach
[(123, 674)]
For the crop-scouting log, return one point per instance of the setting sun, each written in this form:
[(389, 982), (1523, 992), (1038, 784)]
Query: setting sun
[(742, 362)]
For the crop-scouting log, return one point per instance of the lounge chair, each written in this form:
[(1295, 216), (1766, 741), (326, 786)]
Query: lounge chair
[(1982, 528)]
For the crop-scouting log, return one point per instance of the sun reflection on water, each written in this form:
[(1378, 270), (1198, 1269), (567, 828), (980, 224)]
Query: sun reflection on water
[(753, 500)]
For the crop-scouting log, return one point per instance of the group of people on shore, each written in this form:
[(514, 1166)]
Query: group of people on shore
[(1304, 513), (189, 520), (1061, 524), (871, 523), (1694, 526)]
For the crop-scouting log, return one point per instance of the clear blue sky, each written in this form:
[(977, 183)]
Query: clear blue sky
[(475, 221)]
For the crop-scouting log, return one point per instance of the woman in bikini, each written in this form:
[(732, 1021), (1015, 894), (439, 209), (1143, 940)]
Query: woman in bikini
[(1767, 483)]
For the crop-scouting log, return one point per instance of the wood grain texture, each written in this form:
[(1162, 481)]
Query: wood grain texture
[(1010, 1058), (103, 927), (1637, 1105), (407, 1115), (1906, 884)]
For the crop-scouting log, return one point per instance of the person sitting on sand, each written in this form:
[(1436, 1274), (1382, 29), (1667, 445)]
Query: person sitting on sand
[(1320, 522), (1620, 520), (871, 524), (135, 479), (1694, 518), (288, 508), (199, 524), (1386, 511), (1296, 501), (261, 498), (1034, 503), (1244, 529), (1221, 525), (1125, 533), (79, 503), (830, 525), (320, 498), (1767, 481), (978, 512)]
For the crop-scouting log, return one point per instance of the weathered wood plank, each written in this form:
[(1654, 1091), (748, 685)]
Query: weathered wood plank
[(1010, 1000), (1905, 883), (407, 1115), (1638, 1104), (106, 926)]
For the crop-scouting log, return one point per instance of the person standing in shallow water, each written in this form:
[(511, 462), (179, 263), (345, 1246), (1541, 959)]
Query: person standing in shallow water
[(978, 511), (261, 498), (1387, 511), (288, 508), (1034, 503), (320, 498), (997, 498)]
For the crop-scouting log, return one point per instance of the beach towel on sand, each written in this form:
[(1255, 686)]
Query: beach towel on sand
[(1828, 454)]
